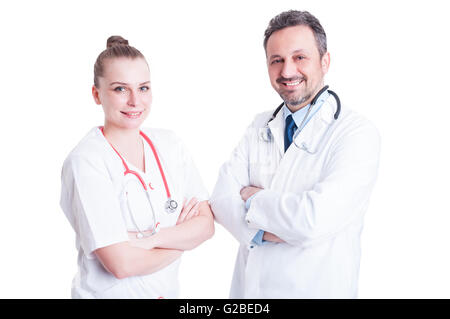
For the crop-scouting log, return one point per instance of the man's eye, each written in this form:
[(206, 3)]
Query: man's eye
[(275, 61), (300, 57), (119, 89), (144, 88)]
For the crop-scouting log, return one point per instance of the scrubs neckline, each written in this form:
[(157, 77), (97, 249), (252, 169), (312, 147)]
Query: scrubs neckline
[(130, 166)]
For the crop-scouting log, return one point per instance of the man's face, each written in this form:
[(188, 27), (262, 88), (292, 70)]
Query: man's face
[(296, 70)]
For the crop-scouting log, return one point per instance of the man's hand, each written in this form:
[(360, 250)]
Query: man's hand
[(249, 191), (272, 237)]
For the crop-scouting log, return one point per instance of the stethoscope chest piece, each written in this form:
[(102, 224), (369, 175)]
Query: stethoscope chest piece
[(265, 134), (171, 206)]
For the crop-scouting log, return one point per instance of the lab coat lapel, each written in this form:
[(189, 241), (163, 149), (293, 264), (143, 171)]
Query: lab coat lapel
[(313, 132), (277, 129), (311, 136)]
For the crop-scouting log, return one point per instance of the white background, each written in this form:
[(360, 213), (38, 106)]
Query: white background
[(389, 62)]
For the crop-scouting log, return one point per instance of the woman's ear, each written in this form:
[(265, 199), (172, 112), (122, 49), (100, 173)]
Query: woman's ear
[(96, 95)]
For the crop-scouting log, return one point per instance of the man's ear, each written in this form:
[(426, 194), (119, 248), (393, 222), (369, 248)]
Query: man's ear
[(325, 62)]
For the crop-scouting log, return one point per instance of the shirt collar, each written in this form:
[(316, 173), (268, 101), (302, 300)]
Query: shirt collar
[(300, 114)]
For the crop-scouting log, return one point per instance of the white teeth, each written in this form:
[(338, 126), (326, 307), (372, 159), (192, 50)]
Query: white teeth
[(133, 114), (293, 83)]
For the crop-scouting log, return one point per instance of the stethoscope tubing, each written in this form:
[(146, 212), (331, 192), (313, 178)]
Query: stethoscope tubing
[(154, 230), (171, 204), (155, 154), (313, 101)]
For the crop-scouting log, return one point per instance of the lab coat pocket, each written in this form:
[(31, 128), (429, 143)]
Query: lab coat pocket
[(262, 164), (304, 172), (261, 152)]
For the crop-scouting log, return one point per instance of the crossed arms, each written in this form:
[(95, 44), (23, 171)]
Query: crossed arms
[(150, 254), (304, 217)]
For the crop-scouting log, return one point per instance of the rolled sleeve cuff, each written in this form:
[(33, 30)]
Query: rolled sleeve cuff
[(258, 239), (248, 202)]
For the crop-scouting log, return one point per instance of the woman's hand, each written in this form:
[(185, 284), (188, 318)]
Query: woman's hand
[(189, 211), (188, 233)]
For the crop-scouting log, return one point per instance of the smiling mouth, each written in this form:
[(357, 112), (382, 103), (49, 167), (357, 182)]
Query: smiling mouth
[(293, 85), (132, 114)]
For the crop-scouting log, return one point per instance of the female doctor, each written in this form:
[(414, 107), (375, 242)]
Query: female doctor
[(132, 195)]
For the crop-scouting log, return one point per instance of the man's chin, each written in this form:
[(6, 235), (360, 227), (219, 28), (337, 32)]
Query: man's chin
[(294, 102)]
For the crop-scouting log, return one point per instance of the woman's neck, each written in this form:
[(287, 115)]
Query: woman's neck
[(128, 143), (122, 138)]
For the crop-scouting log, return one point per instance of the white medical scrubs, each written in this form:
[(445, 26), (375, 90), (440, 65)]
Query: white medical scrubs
[(93, 199)]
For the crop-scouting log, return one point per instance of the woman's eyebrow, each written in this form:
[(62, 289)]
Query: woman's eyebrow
[(121, 83)]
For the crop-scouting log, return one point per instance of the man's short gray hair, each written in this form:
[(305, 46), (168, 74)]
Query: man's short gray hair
[(293, 18)]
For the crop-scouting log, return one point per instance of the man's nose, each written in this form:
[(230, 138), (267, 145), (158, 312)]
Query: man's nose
[(289, 69)]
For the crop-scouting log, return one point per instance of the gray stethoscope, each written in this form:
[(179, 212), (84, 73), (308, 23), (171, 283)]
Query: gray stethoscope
[(267, 136), (170, 205)]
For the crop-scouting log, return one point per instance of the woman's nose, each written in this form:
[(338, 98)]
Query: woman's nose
[(132, 98)]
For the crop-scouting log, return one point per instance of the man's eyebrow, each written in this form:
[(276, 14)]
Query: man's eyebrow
[(293, 52), (299, 51), (275, 56)]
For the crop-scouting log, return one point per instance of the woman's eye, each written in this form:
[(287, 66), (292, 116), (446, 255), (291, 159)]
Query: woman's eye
[(300, 57), (119, 89)]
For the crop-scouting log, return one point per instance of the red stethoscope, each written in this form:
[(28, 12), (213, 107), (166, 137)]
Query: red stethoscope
[(170, 206)]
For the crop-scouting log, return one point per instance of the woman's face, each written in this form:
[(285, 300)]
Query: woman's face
[(124, 92)]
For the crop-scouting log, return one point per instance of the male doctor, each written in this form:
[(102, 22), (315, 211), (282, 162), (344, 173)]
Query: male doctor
[(296, 188)]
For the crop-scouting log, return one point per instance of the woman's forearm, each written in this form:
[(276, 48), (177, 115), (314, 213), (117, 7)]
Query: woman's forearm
[(153, 261), (123, 260), (184, 236)]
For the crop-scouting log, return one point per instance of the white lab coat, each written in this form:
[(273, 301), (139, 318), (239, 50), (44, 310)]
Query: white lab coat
[(314, 202), (94, 201)]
